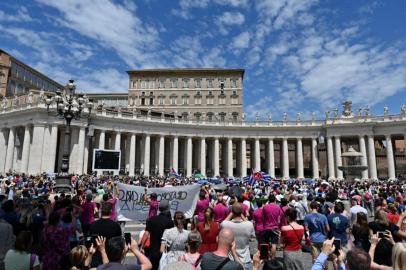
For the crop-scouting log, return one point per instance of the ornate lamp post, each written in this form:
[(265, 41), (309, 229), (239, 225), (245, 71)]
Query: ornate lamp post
[(69, 106)]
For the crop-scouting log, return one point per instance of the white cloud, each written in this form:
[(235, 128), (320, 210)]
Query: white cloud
[(187, 51), (262, 106), (21, 16), (233, 3), (113, 26), (187, 5), (229, 19), (284, 12), (326, 68), (242, 41), (91, 81)]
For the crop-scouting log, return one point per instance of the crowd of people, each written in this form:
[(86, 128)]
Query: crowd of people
[(338, 224)]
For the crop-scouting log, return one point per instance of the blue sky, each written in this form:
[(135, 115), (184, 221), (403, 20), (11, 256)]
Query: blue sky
[(299, 55)]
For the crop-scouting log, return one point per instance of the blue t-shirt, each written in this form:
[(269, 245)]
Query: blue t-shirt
[(316, 224), (338, 226)]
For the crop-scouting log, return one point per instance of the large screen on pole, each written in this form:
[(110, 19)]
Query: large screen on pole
[(108, 160)]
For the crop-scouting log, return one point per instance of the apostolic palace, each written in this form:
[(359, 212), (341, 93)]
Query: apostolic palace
[(188, 120)]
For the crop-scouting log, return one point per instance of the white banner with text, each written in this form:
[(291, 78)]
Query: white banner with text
[(134, 207)]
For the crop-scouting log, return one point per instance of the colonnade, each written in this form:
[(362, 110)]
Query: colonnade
[(36, 148)]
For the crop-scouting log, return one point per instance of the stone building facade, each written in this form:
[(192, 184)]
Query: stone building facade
[(17, 78), (31, 141), (207, 93)]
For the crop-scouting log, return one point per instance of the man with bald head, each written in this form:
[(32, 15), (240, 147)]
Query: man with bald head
[(219, 259), (243, 231)]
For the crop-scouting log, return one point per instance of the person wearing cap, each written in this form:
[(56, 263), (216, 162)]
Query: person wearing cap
[(154, 229)]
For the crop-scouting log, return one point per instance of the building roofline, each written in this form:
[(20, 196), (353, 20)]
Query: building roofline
[(107, 94), (187, 70), (31, 68)]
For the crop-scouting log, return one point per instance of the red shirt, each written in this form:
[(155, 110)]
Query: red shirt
[(209, 237), (292, 239), (393, 218)]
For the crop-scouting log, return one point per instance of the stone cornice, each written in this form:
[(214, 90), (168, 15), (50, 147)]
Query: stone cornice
[(263, 130)]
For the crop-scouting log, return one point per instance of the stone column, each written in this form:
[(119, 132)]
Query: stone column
[(339, 162), (34, 165), (3, 149), (26, 149), (189, 156), (390, 158), (45, 149), (132, 154), (102, 139), (330, 157), (10, 150), (285, 157), (271, 158), (81, 150), (117, 141), (161, 161), (53, 146), (315, 159), (230, 160), (175, 148), (243, 157), (203, 156), (216, 158), (363, 151), (372, 158), (257, 155), (147, 142), (299, 153)]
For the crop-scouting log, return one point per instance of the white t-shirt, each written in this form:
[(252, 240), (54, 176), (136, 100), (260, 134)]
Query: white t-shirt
[(16, 260), (243, 232)]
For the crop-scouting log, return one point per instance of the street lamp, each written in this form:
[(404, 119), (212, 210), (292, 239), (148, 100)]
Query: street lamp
[(69, 106)]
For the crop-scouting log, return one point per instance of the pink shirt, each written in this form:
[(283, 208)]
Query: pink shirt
[(220, 212), (258, 220), (245, 209), (153, 208), (271, 214), (201, 207), (113, 202), (88, 212)]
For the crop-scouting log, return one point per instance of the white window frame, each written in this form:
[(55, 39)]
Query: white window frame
[(185, 83), (198, 83), (174, 83)]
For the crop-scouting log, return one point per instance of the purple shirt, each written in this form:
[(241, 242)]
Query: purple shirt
[(153, 208), (88, 212), (272, 214), (220, 212), (258, 220), (201, 207)]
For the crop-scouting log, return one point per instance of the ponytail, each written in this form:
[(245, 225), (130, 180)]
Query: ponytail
[(208, 216)]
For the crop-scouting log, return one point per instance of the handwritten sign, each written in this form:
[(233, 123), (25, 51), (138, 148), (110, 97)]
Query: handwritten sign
[(133, 206)]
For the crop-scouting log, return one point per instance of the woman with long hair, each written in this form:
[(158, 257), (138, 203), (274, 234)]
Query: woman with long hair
[(360, 231), (21, 258), (174, 240), (292, 235), (209, 230)]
